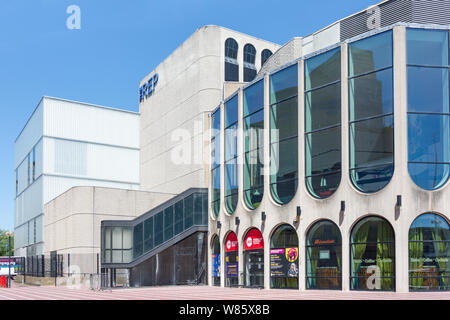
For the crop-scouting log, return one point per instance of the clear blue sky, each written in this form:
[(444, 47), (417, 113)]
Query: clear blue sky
[(119, 43)]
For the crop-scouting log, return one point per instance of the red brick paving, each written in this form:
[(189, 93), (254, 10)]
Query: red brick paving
[(204, 293)]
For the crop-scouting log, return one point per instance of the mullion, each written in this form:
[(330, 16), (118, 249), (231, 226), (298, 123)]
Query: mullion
[(369, 72), (323, 174), (372, 117), (323, 129), (284, 100), (323, 86)]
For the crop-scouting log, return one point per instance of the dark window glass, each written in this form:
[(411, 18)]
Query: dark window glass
[(231, 48), (148, 234), (159, 228), (231, 111), (215, 263), (138, 240), (429, 253), (188, 212), (231, 71), (249, 53), (254, 98), (205, 209), (198, 203), (372, 255), (249, 63), (265, 54), (284, 84), (231, 174), (168, 223), (179, 219), (284, 258), (231, 63), (428, 107), (215, 169), (371, 112), (324, 257)]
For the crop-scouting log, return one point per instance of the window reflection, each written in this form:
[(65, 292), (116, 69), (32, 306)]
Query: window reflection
[(231, 168)]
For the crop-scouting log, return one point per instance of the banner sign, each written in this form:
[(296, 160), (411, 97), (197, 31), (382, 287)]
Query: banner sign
[(231, 244), (216, 265), (284, 263), (254, 240)]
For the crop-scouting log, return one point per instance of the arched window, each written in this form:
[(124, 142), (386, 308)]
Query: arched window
[(254, 259), (324, 256), (371, 112), (231, 167), (231, 260), (372, 246), (429, 253), (215, 166), (265, 54), (231, 63), (323, 123), (254, 144), (428, 107), (249, 62), (284, 134), (284, 256), (215, 261)]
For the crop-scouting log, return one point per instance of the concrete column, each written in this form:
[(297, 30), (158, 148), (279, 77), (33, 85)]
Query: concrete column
[(266, 169)]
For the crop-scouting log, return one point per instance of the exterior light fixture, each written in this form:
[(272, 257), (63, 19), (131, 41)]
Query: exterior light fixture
[(237, 221), (399, 201), (219, 225), (299, 213), (263, 216), (342, 206)]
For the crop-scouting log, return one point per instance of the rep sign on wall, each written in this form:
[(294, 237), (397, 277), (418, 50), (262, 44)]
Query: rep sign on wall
[(148, 88)]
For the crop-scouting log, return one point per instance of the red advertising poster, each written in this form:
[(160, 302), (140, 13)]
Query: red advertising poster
[(231, 244), (254, 240)]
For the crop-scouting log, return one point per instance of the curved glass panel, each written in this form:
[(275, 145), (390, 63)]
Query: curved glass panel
[(231, 63), (249, 62), (324, 257), (215, 261), (372, 246), (231, 168), (371, 112), (284, 254), (265, 54), (284, 134), (254, 144), (323, 123), (215, 167), (428, 107), (429, 253)]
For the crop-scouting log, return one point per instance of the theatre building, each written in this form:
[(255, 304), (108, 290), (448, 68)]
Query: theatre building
[(331, 171)]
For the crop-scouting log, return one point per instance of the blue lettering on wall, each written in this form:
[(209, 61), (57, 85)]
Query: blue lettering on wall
[(148, 88)]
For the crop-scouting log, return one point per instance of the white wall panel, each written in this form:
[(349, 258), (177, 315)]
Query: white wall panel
[(31, 204), (29, 136), (84, 122), (20, 236)]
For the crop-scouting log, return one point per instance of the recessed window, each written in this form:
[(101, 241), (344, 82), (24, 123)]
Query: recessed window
[(249, 62), (265, 54), (231, 63)]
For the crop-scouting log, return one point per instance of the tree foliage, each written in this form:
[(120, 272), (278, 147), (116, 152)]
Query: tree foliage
[(4, 243)]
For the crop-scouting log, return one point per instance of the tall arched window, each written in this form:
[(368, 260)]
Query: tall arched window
[(284, 134), (284, 257), (254, 259), (323, 123), (231, 62), (371, 102), (429, 253), (215, 261), (265, 54), (324, 256), (215, 165), (372, 246), (231, 260), (254, 144), (231, 168), (428, 107), (249, 62)]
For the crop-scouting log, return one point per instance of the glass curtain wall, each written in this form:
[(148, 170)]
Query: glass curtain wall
[(231, 167), (249, 62), (215, 263), (428, 107), (254, 145), (215, 167), (324, 256), (323, 123), (429, 253), (372, 246), (284, 134), (284, 254), (231, 62), (371, 112)]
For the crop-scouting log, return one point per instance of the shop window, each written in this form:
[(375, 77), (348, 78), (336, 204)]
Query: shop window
[(371, 110), (249, 62), (231, 261), (284, 134), (215, 261), (372, 255), (231, 173), (324, 257), (265, 54), (284, 258), (429, 253), (231, 63), (428, 107), (215, 167), (254, 145), (323, 123), (254, 259)]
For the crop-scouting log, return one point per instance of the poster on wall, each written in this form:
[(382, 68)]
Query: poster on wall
[(216, 265), (231, 256), (284, 262)]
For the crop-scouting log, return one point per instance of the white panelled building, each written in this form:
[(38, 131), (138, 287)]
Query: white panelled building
[(66, 144)]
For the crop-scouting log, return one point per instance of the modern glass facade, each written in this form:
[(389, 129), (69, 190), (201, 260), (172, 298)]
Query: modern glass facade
[(371, 112), (254, 144), (284, 134), (215, 165), (231, 154), (428, 107)]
